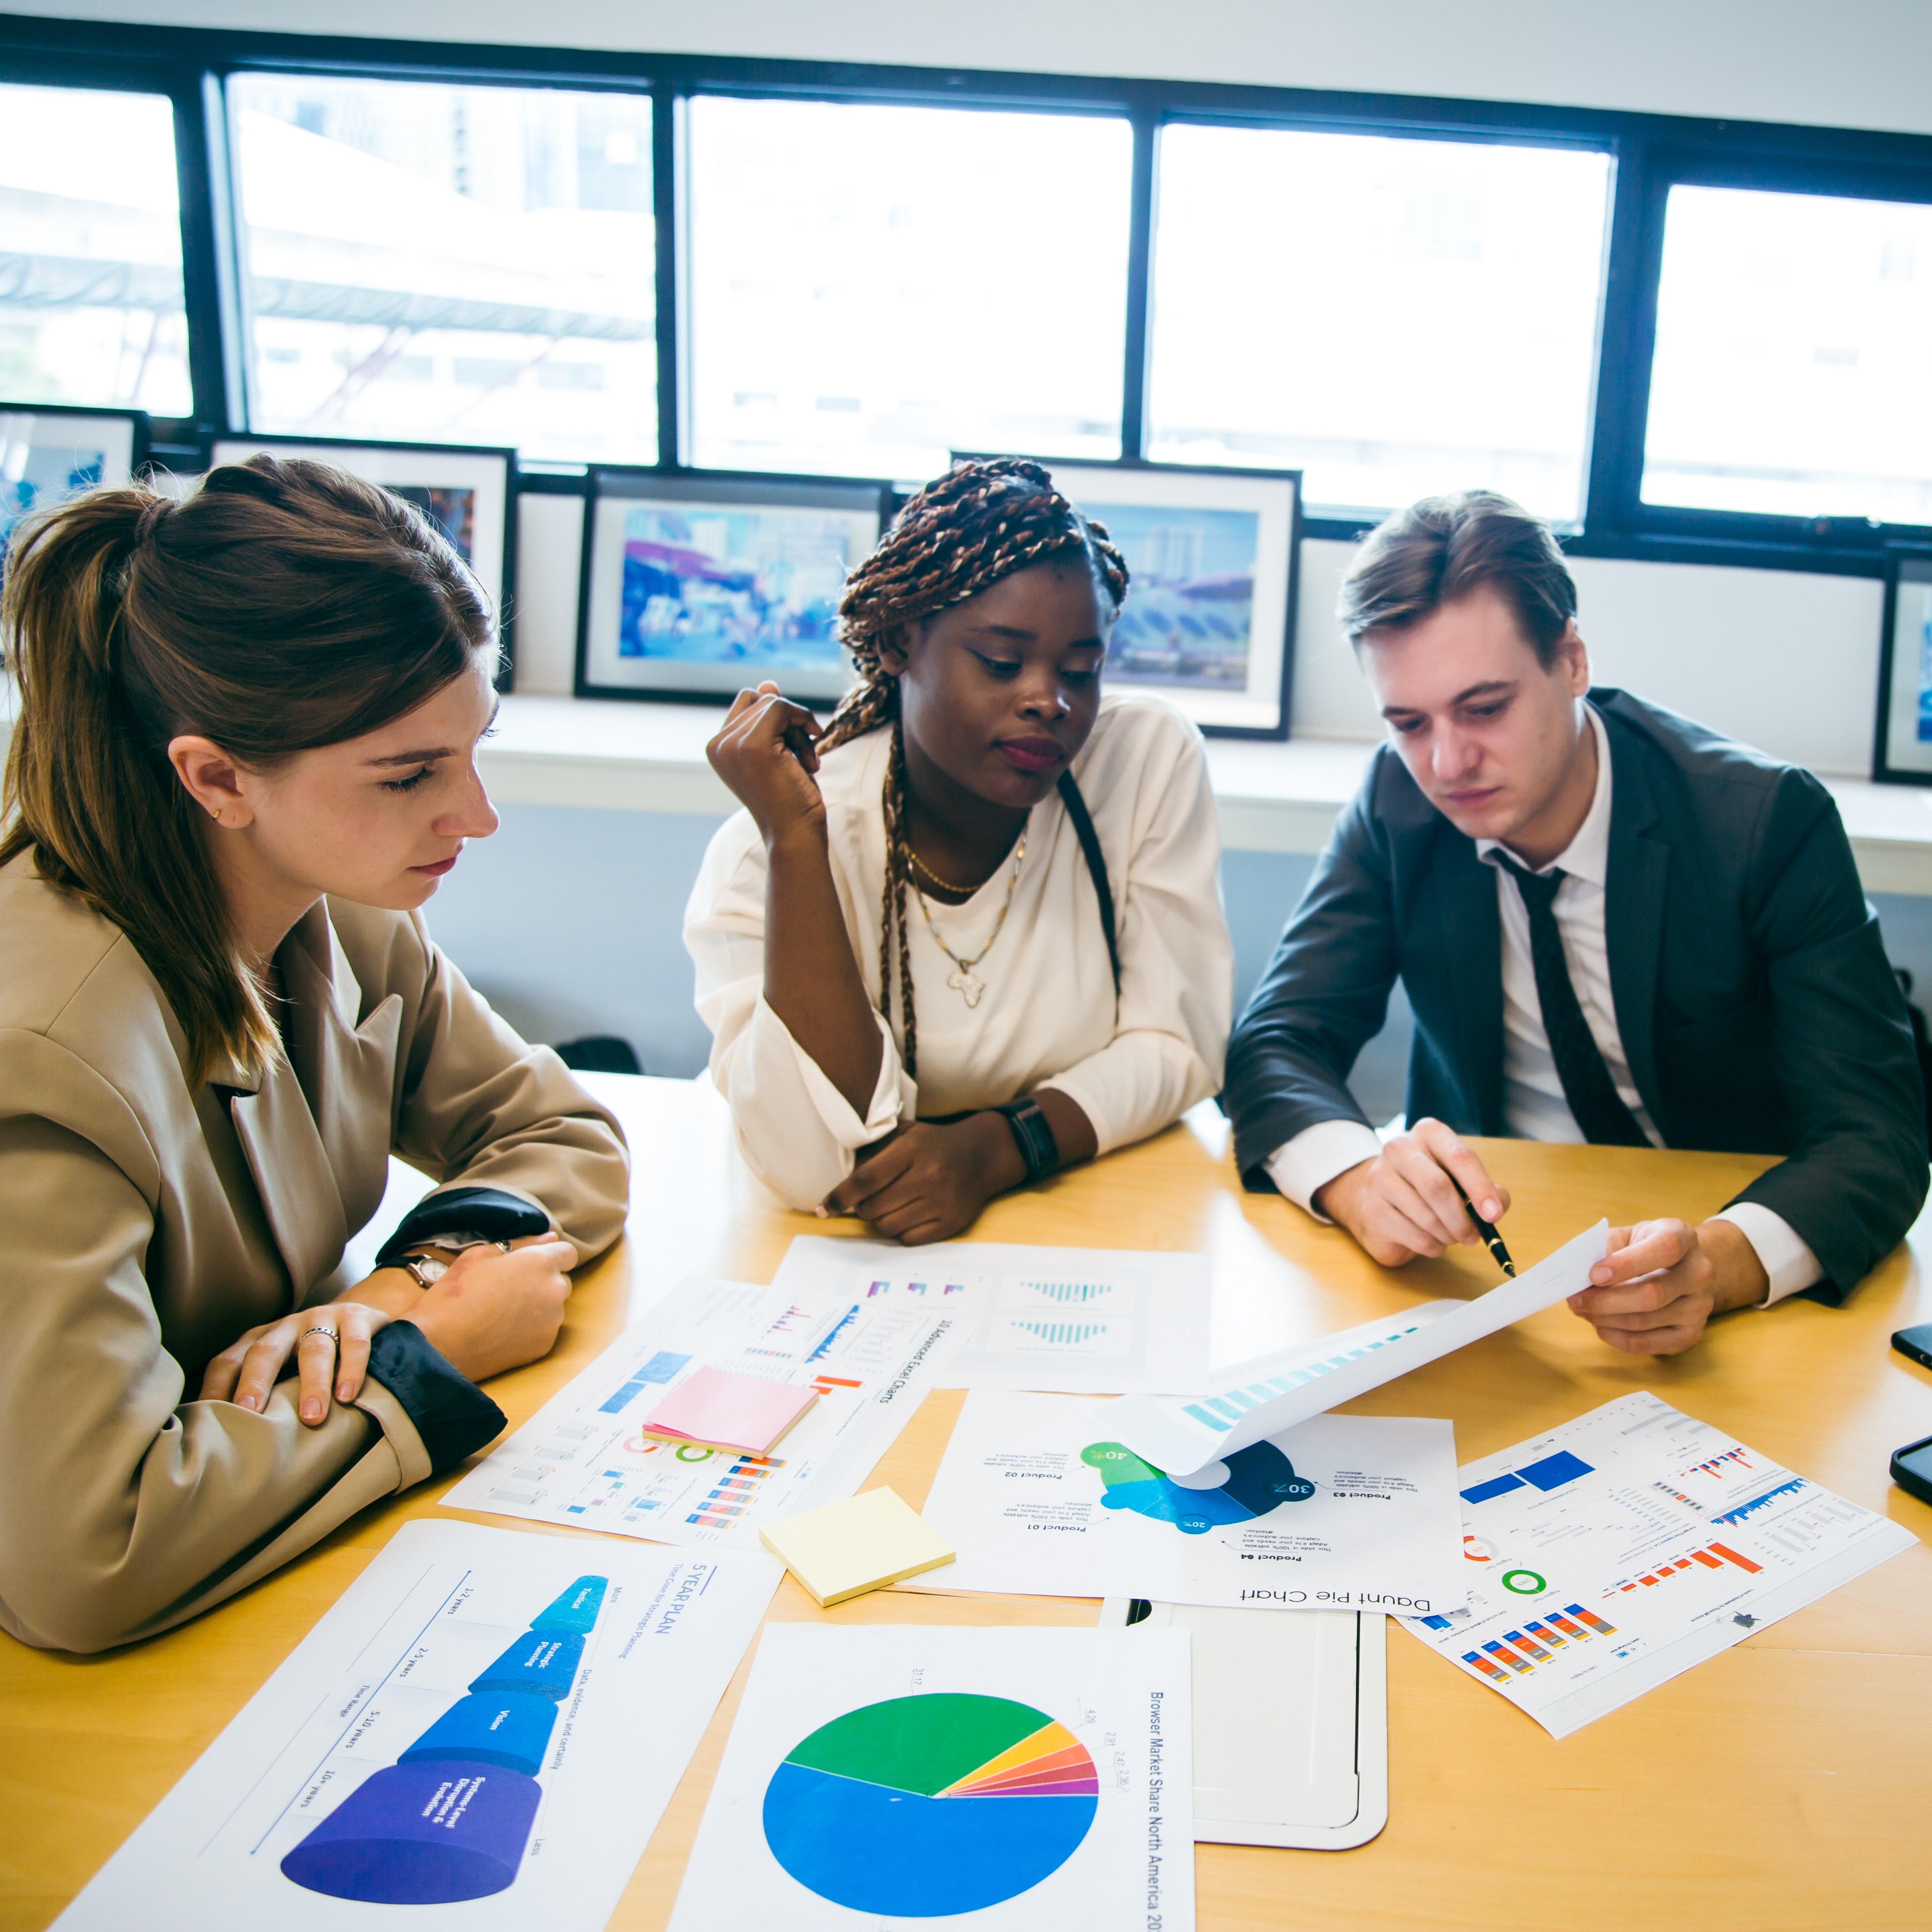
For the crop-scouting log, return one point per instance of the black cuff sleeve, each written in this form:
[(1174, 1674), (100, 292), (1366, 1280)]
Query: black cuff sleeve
[(452, 1415), (487, 1211)]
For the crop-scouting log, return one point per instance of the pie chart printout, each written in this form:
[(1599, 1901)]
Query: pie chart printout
[(922, 1807), (1260, 1479)]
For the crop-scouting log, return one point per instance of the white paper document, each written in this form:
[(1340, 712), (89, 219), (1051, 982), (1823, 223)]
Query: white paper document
[(1258, 1399), (583, 1461), (482, 1732), (1617, 1551), (1031, 1780), (1086, 1320), (1346, 1512)]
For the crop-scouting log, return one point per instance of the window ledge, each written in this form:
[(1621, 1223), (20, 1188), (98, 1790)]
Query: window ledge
[(1274, 797)]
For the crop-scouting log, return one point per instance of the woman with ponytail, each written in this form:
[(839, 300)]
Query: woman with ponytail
[(971, 931), (243, 758)]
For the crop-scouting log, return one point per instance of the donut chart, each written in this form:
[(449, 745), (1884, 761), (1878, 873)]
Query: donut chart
[(923, 1807), (1260, 1478)]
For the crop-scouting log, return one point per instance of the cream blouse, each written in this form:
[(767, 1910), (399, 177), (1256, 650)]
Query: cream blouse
[(1047, 1016)]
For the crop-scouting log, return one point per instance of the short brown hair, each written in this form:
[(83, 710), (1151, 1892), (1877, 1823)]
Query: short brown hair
[(283, 606), (1440, 550)]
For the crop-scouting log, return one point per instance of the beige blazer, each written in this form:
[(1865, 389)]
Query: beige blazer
[(144, 1225)]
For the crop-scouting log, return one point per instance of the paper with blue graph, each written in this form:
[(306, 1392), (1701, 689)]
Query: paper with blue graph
[(457, 1742), (1183, 1434), (1617, 1551), (1346, 1512), (1079, 1320), (584, 1461)]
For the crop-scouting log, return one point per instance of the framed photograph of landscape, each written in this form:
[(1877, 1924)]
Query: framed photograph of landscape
[(47, 454), (697, 587), (1902, 752), (1212, 561), (467, 493)]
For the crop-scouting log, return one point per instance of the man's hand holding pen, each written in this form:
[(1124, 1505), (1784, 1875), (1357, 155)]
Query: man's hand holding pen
[(1406, 1202)]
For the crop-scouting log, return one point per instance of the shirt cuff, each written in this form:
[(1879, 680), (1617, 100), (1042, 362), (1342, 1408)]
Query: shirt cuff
[(1305, 1165), (1780, 1249), (840, 1118), (452, 1415)]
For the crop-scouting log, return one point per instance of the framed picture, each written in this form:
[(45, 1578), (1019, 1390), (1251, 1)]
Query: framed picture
[(467, 493), (1902, 753), (1213, 558), (695, 587), (48, 454)]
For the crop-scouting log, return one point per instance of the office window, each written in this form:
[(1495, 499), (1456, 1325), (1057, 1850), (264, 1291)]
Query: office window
[(1793, 368), (91, 310), (448, 264), (872, 286), (1393, 317)]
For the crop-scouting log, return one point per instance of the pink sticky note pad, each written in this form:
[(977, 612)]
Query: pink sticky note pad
[(734, 1411)]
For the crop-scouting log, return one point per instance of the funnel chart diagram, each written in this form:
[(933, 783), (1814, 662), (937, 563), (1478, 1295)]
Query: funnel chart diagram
[(450, 1818), (1260, 1479)]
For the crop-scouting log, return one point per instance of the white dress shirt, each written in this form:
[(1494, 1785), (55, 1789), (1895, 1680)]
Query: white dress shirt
[(1047, 1017), (1534, 1105)]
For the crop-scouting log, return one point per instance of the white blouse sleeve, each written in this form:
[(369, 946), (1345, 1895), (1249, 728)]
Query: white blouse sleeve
[(1176, 961), (796, 1131)]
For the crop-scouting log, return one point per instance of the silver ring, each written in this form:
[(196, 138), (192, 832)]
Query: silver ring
[(504, 1245), (318, 1330)]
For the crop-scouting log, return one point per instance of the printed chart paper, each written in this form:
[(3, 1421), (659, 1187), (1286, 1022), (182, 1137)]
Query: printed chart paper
[(1257, 1398), (584, 1462), (1031, 1780), (1616, 1552), (1086, 1320), (1346, 1512), (457, 1742)]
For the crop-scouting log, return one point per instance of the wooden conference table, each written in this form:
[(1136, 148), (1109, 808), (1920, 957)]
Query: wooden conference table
[(1782, 1785)]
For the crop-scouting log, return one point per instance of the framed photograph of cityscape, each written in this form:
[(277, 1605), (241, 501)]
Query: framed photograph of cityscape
[(49, 454), (1902, 750), (467, 493), (697, 587), (1212, 560)]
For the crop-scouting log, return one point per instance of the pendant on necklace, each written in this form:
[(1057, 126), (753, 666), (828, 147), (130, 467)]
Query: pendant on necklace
[(964, 983)]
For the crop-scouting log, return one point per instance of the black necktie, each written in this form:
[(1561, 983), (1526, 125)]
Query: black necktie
[(1587, 1085)]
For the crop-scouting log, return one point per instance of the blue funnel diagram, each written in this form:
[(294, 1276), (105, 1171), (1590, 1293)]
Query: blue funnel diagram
[(1260, 1478), (450, 1819)]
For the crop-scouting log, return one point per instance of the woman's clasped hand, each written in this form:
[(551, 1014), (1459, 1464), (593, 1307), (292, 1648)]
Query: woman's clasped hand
[(493, 1310)]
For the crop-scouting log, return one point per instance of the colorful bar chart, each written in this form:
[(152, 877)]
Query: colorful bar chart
[(1757, 1503), (1070, 1291), (1539, 1640), (1712, 1556)]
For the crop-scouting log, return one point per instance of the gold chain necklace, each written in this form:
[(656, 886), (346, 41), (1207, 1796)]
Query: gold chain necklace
[(962, 979), (944, 885)]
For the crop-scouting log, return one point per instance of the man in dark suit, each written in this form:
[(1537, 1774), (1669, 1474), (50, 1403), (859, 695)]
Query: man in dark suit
[(1613, 925)]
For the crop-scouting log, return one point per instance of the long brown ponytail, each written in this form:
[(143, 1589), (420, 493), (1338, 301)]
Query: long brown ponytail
[(959, 535), (284, 606)]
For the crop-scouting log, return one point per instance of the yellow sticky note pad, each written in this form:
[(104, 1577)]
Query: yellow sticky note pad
[(864, 1544)]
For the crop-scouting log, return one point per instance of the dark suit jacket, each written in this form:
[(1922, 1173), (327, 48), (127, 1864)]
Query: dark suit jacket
[(1758, 1012)]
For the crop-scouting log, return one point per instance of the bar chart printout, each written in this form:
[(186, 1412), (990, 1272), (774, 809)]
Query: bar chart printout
[(1629, 1545), (585, 1461)]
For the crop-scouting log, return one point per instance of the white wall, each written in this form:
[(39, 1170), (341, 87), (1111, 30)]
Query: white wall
[(1856, 63), (1786, 661)]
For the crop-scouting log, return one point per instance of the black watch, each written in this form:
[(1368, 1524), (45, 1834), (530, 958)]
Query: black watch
[(1034, 1133)]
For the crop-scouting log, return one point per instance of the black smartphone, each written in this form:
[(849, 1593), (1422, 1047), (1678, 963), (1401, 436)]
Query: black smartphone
[(1912, 1468), (1916, 1342)]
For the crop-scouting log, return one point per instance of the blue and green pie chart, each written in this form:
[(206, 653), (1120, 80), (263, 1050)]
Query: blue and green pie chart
[(919, 1807)]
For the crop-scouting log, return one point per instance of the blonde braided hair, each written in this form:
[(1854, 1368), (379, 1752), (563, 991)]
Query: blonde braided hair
[(960, 535)]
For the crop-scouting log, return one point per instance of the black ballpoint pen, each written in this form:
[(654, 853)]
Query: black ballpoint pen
[(1492, 1240)]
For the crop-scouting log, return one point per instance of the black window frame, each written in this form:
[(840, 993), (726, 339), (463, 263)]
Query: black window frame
[(1650, 154)]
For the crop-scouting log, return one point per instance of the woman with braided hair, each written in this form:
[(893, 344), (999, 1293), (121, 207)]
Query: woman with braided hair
[(971, 931)]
